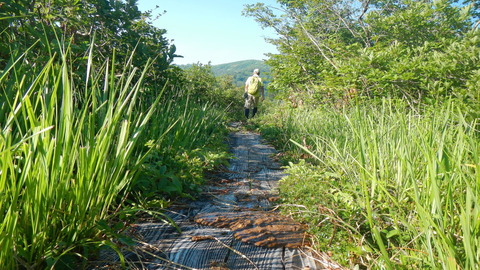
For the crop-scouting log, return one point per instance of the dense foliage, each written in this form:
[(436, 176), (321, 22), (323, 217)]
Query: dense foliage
[(380, 101), (96, 125), (382, 112), (36, 26), (331, 50)]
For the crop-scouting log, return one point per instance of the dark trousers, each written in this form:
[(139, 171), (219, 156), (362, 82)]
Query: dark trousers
[(247, 112)]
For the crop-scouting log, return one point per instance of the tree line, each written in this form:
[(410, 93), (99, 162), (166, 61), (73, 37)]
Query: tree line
[(37, 27), (331, 51)]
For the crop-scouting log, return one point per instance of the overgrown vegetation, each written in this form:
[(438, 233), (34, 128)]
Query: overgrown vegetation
[(379, 101), (66, 165), (398, 188), (97, 126), (331, 51)]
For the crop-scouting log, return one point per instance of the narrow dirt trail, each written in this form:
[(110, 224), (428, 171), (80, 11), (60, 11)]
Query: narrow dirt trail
[(233, 225)]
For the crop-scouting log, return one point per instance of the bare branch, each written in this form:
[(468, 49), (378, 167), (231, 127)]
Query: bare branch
[(476, 25), (354, 33), (315, 42), (365, 9)]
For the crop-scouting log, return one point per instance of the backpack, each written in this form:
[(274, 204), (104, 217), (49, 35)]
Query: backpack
[(254, 85)]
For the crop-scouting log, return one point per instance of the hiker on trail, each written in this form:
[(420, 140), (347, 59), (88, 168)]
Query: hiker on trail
[(253, 90)]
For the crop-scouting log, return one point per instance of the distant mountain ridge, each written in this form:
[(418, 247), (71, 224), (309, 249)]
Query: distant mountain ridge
[(240, 70)]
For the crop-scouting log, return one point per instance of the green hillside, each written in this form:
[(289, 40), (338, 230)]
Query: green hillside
[(240, 70)]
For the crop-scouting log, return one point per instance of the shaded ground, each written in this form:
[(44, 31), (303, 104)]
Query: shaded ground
[(232, 225)]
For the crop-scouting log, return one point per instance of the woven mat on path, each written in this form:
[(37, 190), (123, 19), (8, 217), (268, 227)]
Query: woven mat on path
[(232, 225)]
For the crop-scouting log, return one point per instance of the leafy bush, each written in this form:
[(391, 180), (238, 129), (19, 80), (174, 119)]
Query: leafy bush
[(335, 217), (421, 51), (192, 143), (221, 92)]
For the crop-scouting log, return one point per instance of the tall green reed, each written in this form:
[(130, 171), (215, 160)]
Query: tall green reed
[(412, 171), (414, 174), (63, 162), (195, 143)]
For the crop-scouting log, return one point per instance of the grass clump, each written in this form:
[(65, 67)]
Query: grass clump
[(73, 153), (389, 186), (63, 162), (177, 161)]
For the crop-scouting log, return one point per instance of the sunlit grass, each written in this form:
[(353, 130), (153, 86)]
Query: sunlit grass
[(406, 181), (63, 162), (72, 150)]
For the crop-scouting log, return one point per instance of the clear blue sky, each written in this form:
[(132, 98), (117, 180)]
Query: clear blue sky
[(211, 30)]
